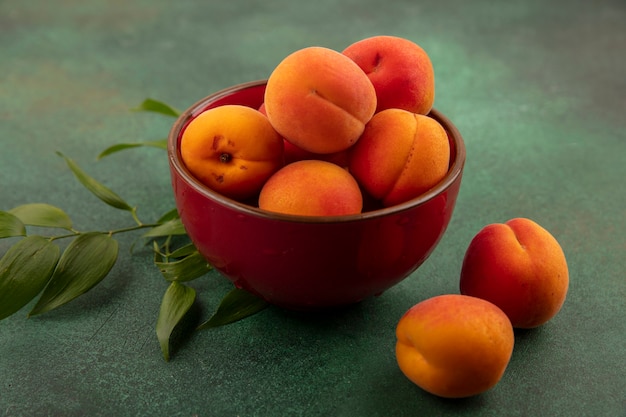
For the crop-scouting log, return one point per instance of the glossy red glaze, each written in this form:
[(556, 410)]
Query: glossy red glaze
[(303, 262)]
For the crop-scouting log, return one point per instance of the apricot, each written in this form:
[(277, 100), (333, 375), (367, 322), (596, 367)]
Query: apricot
[(400, 70), (454, 345), (520, 267), (311, 188), (400, 156), (319, 100), (232, 149)]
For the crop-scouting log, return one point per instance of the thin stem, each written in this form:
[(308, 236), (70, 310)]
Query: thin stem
[(132, 228), (74, 233), (109, 232)]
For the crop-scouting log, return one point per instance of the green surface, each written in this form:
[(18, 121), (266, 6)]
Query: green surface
[(538, 90)]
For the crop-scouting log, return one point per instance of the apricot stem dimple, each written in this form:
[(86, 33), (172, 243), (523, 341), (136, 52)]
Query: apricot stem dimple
[(517, 238), (225, 158), (377, 59)]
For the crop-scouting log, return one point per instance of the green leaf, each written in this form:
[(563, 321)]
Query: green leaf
[(156, 106), (236, 305), (11, 225), (177, 300), (83, 264), (24, 271), (183, 251), (188, 268), (170, 215), (99, 190), (161, 144), (41, 214), (169, 228)]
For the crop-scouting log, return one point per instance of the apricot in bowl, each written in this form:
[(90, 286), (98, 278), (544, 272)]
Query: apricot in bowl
[(310, 262)]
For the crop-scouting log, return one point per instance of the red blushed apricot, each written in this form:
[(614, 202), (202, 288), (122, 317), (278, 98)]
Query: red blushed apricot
[(319, 100), (454, 345), (232, 149), (400, 70), (311, 188), (520, 267), (400, 156)]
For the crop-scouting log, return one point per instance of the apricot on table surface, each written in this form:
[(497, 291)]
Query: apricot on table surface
[(520, 267), (400, 70), (454, 345), (232, 149), (311, 188), (400, 156), (319, 100)]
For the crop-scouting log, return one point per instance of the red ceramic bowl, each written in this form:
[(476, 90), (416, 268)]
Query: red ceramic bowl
[(301, 262)]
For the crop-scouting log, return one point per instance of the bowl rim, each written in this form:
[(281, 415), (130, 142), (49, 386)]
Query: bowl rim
[(181, 170)]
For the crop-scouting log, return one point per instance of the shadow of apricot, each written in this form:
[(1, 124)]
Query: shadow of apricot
[(393, 394), (467, 404)]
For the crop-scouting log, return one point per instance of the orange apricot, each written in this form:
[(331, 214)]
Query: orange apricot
[(319, 100), (400, 156), (232, 149), (454, 345), (311, 188)]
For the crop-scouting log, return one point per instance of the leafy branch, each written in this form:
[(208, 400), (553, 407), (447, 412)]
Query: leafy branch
[(36, 265)]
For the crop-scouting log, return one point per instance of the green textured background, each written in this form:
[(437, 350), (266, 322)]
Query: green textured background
[(538, 90)]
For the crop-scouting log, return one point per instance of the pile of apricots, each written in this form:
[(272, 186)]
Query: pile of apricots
[(337, 126), (333, 126)]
